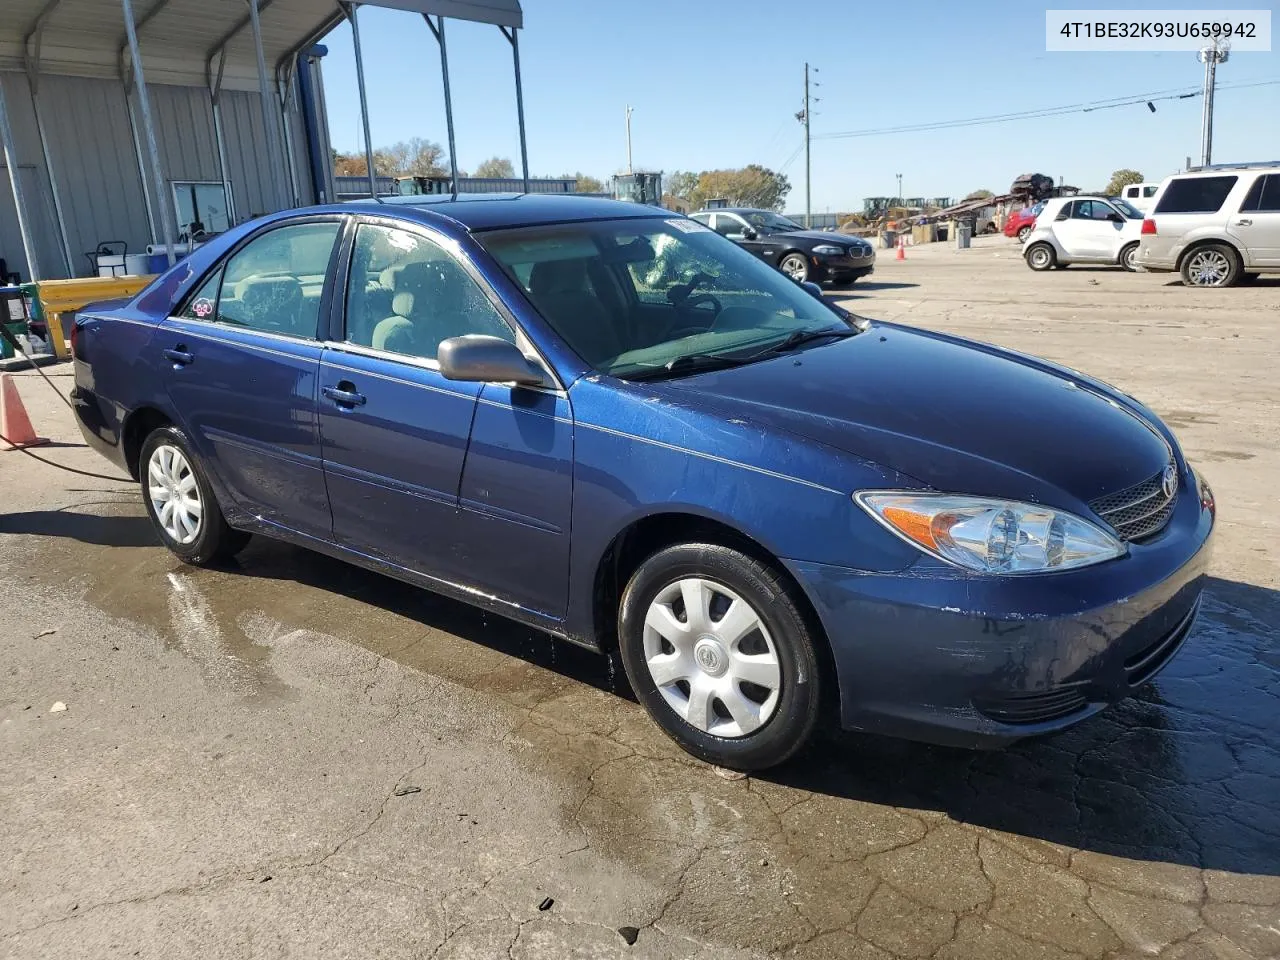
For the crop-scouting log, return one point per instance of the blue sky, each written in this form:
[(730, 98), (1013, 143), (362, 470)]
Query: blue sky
[(716, 83)]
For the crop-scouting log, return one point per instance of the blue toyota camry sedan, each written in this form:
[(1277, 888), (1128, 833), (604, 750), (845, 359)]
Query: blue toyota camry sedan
[(610, 423)]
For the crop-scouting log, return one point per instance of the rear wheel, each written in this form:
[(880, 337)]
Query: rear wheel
[(181, 503), (720, 655), (1129, 257), (1041, 257), (1213, 265), (795, 266)]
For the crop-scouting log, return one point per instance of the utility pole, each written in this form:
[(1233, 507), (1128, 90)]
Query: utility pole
[(808, 209), (629, 170), (1210, 56), (900, 200)]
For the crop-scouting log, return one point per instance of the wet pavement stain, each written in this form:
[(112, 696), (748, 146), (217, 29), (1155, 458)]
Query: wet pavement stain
[(1154, 827)]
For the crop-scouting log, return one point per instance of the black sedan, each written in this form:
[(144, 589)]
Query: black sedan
[(799, 253)]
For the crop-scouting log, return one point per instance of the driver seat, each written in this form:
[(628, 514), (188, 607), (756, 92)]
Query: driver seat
[(563, 292)]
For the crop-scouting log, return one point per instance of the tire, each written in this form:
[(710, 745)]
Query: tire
[(1023, 233), (705, 702), (1212, 265), (1041, 256), (195, 530), (1129, 257), (795, 266)]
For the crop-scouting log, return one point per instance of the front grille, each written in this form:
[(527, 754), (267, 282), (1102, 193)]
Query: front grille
[(1146, 663), (1023, 708), (1138, 511)]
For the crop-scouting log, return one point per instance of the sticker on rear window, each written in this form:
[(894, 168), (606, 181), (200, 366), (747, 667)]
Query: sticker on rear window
[(688, 226), (202, 307)]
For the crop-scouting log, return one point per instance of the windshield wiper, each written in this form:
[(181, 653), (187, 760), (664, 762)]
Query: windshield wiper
[(688, 363), (801, 337)]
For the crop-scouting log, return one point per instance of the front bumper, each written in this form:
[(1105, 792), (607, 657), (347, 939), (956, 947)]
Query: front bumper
[(842, 268), (936, 654)]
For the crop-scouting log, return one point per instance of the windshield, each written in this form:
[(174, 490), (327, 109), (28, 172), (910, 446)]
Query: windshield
[(767, 222), (1128, 209), (632, 297)]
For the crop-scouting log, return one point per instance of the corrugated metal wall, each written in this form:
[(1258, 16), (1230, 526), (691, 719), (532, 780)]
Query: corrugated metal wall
[(35, 187), (95, 162)]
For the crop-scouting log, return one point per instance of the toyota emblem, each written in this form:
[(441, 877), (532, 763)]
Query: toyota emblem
[(1169, 482)]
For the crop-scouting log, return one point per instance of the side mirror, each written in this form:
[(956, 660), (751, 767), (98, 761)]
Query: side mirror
[(749, 233), (477, 358), (812, 289)]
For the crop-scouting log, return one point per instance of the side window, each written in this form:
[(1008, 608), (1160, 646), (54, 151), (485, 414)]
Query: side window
[(1130, 193), (1065, 212), (204, 302), (406, 295), (1264, 195), (1149, 192), (1195, 194), (274, 283), (728, 226)]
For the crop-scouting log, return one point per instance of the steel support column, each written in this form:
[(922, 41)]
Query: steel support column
[(514, 39), (438, 30), (15, 181), (350, 10), (215, 108), (268, 125), (149, 132)]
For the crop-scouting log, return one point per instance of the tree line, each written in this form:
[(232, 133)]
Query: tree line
[(749, 186), (417, 157)]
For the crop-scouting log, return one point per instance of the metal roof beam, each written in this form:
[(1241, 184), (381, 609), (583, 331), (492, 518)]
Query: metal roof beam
[(230, 35), (146, 18), (36, 33)]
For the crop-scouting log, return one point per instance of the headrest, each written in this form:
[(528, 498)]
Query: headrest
[(389, 276), (558, 276), (261, 291), (439, 283)]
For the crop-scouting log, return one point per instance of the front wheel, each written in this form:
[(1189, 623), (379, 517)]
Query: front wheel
[(1023, 233), (1213, 265), (1041, 257), (795, 266), (720, 655), (1129, 258), (181, 503)]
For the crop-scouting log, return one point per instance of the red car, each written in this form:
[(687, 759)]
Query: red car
[(1021, 221)]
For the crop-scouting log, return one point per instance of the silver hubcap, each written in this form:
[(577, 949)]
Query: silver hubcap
[(175, 496), (712, 658), (1208, 268), (1128, 256), (794, 268), (1040, 257)]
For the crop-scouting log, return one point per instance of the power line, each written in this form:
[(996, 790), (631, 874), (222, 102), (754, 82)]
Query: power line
[(1088, 107)]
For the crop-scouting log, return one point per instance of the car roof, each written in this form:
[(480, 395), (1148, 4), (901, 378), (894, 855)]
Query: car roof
[(735, 210), (492, 211)]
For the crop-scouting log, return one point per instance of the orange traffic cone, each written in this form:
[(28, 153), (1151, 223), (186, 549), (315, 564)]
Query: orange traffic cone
[(902, 250), (15, 425)]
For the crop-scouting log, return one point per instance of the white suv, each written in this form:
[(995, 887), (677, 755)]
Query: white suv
[(1083, 230), (1216, 225)]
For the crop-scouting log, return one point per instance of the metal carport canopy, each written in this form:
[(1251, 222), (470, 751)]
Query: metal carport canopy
[(179, 38)]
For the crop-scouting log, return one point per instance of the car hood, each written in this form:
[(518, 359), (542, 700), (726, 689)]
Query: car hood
[(817, 236), (955, 415)]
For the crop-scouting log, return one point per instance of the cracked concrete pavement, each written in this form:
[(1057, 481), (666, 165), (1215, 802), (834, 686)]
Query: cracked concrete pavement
[(292, 757)]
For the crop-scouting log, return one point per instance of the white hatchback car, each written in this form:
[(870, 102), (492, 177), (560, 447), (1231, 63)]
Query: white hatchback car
[(1084, 230)]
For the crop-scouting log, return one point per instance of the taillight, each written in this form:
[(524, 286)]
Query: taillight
[(1148, 228)]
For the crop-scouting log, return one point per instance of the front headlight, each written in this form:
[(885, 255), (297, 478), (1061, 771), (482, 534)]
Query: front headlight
[(827, 250), (991, 536)]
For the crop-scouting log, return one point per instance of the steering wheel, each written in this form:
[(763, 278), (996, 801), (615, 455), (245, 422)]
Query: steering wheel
[(695, 304)]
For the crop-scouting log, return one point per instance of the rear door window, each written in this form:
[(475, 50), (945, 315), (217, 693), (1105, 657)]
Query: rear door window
[(1196, 195), (1264, 195), (274, 283)]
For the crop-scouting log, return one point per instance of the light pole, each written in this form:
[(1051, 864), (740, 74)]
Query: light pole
[(1210, 57), (629, 170), (900, 200)]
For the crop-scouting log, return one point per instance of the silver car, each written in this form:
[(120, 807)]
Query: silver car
[(1216, 225)]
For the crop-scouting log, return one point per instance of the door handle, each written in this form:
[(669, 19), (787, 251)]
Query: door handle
[(179, 355), (344, 395), (1244, 223)]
